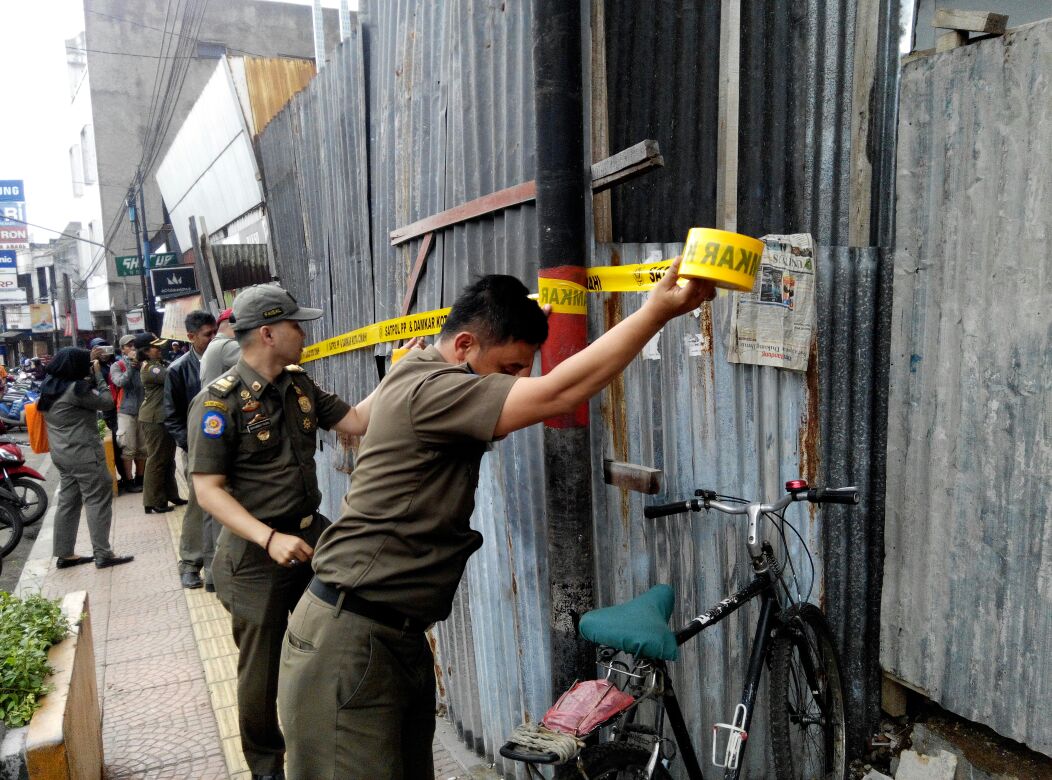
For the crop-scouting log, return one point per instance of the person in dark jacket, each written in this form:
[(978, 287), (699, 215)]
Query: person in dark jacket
[(181, 385), (74, 391)]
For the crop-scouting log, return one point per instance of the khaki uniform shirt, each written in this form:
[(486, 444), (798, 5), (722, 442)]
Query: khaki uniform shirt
[(152, 373), (404, 536), (262, 436)]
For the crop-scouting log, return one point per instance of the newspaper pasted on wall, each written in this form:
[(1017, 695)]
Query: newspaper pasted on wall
[(773, 325)]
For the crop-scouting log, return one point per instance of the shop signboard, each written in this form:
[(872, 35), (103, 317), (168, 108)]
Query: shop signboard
[(174, 282)]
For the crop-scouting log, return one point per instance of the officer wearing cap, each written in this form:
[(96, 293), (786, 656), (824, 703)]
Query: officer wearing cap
[(252, 435), (159, 485)]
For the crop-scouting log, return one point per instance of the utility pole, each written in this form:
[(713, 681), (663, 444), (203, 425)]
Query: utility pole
[(562, 252), (137, 216)]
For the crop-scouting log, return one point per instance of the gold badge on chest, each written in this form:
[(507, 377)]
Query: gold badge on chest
[(245, 395), (304, 403), (263, 435)]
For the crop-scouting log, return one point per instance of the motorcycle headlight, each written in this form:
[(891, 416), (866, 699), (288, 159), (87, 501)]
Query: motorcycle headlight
[(5, 455)]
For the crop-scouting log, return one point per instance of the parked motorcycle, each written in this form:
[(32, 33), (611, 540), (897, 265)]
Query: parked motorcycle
[(18, 479)]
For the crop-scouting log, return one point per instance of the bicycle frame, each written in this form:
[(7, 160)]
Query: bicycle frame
[(762, 586)]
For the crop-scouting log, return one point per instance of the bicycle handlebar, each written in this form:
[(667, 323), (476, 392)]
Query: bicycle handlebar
[(840, 495), (675, 508)]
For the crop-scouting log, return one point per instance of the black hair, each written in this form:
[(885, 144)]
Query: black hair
[(69, 366), (497, 310), (198, 319)]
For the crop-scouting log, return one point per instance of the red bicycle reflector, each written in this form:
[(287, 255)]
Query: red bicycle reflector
[(796, 484)]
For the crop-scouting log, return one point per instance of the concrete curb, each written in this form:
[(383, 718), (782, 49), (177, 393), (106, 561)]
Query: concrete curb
[(31, 580)]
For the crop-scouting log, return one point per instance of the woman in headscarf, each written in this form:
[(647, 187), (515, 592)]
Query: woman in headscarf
[(73, 392), (159, 485)]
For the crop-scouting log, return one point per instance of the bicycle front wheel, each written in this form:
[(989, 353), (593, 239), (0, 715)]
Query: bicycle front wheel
[(618, 761), (10, 529), (807, 710)]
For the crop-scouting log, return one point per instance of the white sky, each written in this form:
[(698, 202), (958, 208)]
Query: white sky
[(35, 132)]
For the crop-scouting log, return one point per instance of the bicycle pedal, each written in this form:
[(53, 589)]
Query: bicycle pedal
[(736, 737)]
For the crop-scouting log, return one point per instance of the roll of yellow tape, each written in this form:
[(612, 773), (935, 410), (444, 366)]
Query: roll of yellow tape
[(726, 259)]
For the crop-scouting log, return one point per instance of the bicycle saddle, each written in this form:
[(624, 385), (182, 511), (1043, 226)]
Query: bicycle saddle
[(639, 626)]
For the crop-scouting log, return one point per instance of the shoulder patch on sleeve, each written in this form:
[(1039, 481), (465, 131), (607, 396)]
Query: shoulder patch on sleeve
[(216, 405), (222, 386), (213, 424)]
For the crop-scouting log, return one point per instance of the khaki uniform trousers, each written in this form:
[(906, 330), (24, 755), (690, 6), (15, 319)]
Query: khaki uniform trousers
[(356, 697), (159, 485), (83, 483), (192, 535), (259, 594)]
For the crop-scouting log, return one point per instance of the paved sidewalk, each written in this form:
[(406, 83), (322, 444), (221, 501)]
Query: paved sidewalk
[(166, 663)]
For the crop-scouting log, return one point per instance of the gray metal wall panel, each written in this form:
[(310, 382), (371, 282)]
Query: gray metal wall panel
[(663, 83), (967, 609), (451, 119), (707, 423)]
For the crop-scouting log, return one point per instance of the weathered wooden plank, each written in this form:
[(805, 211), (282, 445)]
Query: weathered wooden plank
[(642, 479), (973, 21), (626, 164)]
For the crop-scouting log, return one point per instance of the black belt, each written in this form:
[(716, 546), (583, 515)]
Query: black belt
[(381, 613)]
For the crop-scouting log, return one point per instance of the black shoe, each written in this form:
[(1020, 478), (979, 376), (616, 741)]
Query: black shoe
[(76, 560), (277, 776), (151, 510), (191, 580), (114, 560), (178, 501), (210, 588), (131, 486)]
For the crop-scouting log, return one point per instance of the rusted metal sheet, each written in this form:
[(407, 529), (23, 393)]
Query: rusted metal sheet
[(241, 265), (271, 83), (967, 608)]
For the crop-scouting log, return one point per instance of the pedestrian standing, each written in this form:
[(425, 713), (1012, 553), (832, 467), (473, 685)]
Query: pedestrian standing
[(124, 375), (357, 681), (182, 383), (252, 440), (73, 392), (159, 485), (221, 355)]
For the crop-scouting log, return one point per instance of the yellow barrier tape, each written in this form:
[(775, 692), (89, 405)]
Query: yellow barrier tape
[(424, 324), (564, 297), (728, 259), (638, 277)]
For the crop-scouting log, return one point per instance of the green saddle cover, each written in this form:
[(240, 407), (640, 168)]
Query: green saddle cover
[(639, 626)]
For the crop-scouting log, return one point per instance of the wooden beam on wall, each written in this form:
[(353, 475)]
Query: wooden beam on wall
[(867, 28), (727, 111), (972, 21)]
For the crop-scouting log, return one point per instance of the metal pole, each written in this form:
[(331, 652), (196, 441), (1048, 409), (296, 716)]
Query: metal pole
[(149, 312), (561, 246)]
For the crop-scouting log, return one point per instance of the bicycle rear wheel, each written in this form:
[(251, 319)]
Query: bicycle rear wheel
[(10, 529), (618, 761), (807, 710)]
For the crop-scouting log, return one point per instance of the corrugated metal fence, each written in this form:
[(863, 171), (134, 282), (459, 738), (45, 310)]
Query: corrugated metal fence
[(968, 590), (430, 105)]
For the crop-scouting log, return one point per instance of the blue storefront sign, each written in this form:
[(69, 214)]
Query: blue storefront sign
[(12, 190), (8, 261)]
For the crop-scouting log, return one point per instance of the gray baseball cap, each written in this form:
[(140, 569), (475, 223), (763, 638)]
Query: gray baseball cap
[(265, 304)]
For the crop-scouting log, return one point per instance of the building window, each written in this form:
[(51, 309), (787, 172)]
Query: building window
[(76, 63), (210, 50), (76, 170), (87, 150)]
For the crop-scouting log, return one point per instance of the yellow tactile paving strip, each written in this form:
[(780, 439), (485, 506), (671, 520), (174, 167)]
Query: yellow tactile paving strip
[(218, 653)]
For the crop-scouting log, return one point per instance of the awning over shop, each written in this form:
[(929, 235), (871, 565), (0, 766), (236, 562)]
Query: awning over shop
[(16, 334)]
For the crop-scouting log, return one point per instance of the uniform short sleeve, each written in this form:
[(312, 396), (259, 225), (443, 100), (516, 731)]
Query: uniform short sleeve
[(331, 408), (210, 435), (451, 406)]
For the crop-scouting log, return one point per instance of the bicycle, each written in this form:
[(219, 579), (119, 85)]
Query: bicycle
[(806, 710)]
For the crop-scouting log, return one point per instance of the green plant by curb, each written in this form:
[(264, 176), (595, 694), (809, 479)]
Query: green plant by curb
[(28, 627)]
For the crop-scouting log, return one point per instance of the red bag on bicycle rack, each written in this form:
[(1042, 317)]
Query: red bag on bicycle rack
[(585, 706)]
